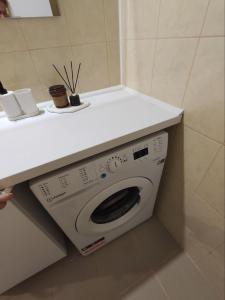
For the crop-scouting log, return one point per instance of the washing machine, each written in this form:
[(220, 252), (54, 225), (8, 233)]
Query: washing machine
[(101, 198)]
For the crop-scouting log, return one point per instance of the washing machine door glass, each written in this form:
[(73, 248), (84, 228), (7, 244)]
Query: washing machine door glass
[(115, 206)]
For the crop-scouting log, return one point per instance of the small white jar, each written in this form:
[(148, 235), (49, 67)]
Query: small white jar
[(10, 106), (26, 102)]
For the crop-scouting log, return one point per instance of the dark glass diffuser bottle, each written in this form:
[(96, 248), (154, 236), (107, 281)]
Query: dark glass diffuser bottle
[(75, 100)]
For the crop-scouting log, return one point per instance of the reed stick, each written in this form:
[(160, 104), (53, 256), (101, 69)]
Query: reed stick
[(61, 76), (78, 72)]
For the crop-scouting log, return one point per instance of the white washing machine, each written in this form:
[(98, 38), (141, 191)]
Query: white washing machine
[(101, 198)]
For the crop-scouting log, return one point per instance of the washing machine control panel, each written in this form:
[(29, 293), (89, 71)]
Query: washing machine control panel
[(53, 188), (114, 163), (153, 148)]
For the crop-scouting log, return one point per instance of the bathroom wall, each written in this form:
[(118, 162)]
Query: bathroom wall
[(86, 31), (174, 50)]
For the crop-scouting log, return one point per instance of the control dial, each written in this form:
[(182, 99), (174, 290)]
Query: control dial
[(114, 163)]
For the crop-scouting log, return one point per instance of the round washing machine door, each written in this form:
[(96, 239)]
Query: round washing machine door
[(114, 206)]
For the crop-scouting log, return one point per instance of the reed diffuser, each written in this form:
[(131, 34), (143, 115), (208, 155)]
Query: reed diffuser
[(71, 84)]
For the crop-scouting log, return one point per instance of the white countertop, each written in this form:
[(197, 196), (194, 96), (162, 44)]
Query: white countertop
[(117, 115)]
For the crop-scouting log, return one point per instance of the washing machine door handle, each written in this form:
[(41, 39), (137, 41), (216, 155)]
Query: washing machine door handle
[(116, 206)]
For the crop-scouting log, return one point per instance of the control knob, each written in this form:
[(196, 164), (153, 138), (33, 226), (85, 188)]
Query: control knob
[(114, 163)]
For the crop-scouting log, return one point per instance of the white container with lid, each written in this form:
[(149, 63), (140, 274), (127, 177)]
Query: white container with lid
[(10, 106), (26, 101), (19, 104)]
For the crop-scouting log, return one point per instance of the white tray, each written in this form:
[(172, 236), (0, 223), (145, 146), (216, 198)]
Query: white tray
[(69, 109)]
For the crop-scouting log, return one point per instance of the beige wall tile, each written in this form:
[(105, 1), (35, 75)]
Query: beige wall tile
[(123, 55), (204, 113), (191, 241), (43, 60), (40, 92), (17, 70), (45, 32), (214, 24), (113, 49), (199, 152), (141, 18), (123, 18), (181, 17), (204, 99), (211, 188), (94, 71), (49, 39), (85, 21), (173, 62), (139, 64), (11, 36), (112, 19), (205, 223)]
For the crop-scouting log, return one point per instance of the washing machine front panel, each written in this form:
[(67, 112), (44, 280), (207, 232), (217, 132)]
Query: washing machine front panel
[(104, 196), (114, 206)]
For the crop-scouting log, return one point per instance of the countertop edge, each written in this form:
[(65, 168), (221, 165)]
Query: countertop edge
[(79, 156)]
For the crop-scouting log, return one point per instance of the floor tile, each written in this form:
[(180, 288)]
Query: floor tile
[(35, 288), (204, 222), (155, 246), (136, 254), (182, 280), (149, 289), (211, 268), (108, 273), (143, 264), (218, 253)]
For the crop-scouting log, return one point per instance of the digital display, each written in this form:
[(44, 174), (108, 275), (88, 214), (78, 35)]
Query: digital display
[(140, 153)]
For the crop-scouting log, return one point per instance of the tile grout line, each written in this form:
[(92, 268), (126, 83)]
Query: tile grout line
[(164, 262), (34, 66), (211, 252), (176, 37), (200, 272), (214, 209), (122, 43), (23, 34), (106, 44), (155, 47), (62, 9), (204, 176), (120, 39), (29, 54), (209, 166), (190, 72), (195, 56), (162, 287), (203, 134), (60, 46)]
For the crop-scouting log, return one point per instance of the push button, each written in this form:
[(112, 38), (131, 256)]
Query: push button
[(103, 175)]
